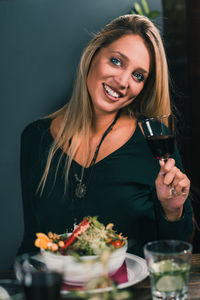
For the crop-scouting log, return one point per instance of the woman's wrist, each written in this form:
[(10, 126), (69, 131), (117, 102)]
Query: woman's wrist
[(174, 215)]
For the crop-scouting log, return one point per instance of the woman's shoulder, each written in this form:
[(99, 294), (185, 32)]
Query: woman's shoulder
[(36, 128)]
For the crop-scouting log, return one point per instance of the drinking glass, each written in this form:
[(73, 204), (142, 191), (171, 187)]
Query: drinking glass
[(38, 281), (168, 262), (159, 133)]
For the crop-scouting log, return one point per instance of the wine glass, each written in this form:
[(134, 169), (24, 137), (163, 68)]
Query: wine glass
[(38, 280), (160, 135)]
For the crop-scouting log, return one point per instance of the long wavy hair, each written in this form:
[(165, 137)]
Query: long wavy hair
[(77, 114)]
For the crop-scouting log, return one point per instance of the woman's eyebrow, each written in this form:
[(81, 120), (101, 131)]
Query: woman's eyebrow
[(143, 71), (126, 58), (121, 54)]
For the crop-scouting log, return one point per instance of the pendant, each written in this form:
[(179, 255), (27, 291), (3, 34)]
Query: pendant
[(80, 190)]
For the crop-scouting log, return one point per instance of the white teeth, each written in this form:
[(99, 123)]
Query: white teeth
[(111, 92)]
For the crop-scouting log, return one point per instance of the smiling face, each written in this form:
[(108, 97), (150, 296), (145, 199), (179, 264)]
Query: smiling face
[(118, 73)]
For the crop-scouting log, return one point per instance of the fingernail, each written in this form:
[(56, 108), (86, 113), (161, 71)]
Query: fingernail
[(161, 162)]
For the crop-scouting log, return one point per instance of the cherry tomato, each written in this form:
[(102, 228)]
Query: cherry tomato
[(117, 243)]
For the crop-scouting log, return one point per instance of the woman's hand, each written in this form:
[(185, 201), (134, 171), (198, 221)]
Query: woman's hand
[(170, 177)]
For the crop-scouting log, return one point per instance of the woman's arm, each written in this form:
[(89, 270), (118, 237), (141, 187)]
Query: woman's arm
[(30, 170)]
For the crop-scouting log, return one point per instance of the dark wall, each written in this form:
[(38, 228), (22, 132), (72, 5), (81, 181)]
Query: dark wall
[(176, 46), (40, 46), (182, 43)]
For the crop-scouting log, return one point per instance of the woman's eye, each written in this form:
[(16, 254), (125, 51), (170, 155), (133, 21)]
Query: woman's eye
[(115, 61), (138, 76)]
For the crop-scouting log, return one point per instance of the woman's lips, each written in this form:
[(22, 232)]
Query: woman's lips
[(112, 94)]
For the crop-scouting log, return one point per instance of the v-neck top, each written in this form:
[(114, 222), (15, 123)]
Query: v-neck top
[(120, 189)]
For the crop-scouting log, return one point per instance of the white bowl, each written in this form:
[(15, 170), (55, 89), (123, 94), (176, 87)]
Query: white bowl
[(78, 273)]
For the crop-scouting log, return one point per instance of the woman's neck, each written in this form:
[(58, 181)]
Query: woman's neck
[(101, 122)]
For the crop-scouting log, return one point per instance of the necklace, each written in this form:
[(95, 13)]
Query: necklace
[(81, 188)]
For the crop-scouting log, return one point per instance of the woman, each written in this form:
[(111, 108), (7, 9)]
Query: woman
[(91, 158)]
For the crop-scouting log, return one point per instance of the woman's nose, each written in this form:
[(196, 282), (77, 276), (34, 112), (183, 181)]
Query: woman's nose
[(122, 79)]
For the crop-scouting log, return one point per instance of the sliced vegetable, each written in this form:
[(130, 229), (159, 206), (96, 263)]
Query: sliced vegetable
[(82, 227), (42, 240), (117, 243)]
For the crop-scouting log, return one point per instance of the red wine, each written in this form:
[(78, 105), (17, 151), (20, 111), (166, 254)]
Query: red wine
[(161, 146)]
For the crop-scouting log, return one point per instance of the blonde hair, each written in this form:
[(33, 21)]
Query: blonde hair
[(77, 114)]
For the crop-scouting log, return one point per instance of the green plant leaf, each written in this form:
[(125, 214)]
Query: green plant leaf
[(145, 6), (138, 8), (153, 14), (131, 12)]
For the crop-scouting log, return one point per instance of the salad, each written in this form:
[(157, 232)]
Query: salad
[(90, 237)]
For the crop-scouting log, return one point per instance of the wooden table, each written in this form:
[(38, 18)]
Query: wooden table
[(141, 291)]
